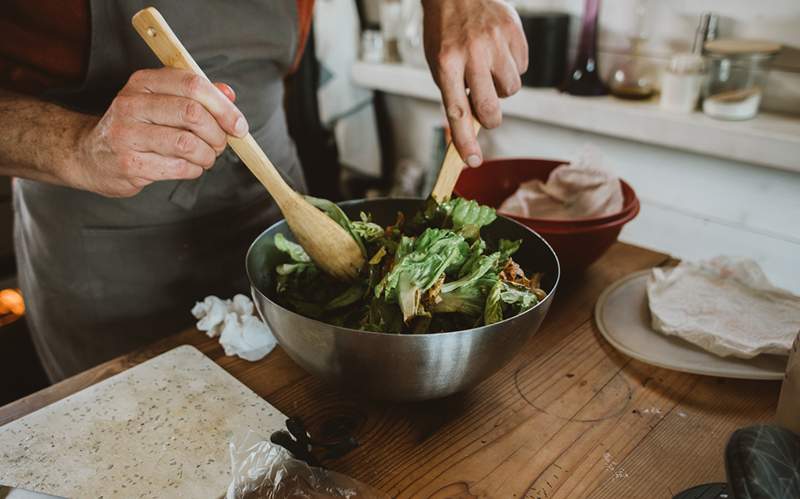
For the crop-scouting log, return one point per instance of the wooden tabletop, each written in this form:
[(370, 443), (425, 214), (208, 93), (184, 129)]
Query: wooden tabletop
[(568, 417)]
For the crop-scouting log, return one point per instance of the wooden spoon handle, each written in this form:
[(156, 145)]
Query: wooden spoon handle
[(155, 31), (450, 170)]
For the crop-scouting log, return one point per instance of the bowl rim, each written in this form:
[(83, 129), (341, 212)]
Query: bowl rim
[(254, 289), (586, 229), (587, 220)]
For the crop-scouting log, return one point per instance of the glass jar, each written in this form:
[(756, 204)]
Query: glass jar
[(737, 75), (681, 83), (633, 78)]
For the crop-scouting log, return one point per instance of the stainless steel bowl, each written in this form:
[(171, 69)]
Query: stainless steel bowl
[(401, 367)]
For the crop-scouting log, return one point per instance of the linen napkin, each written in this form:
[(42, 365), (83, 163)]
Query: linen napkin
[(582, 188), (725, 305), (240, 332)]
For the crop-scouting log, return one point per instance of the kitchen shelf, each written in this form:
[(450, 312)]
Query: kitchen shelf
[(769, 139)]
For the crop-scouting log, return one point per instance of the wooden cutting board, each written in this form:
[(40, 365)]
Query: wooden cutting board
[(159, 429)]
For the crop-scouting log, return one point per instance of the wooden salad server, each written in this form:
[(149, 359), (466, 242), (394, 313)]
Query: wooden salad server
[(450, 170), (326, 242)]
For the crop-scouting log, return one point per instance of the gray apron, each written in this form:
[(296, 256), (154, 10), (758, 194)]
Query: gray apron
[(103, 276)]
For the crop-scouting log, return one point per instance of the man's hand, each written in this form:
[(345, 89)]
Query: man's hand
[(477, 45), (164, 124)]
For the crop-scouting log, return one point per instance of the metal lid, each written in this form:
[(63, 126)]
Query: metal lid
[(732, 46)]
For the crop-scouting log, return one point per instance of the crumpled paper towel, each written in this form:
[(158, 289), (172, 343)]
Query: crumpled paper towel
[(725, 305), (240, 332), (582, 188)]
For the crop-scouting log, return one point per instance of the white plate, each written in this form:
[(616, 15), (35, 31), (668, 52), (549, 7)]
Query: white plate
[(623, 317)]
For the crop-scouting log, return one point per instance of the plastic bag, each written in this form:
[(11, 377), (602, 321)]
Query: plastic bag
[(263, 470)]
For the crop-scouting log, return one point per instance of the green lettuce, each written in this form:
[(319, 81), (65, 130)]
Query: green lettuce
[(483, 265), (430, 273), (294, 250), (418, 265), (367, 230), (506, 300)]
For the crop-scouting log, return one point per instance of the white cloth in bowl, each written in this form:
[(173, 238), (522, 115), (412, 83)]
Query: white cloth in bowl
[(725, 305), (240, 332), (582, 188)]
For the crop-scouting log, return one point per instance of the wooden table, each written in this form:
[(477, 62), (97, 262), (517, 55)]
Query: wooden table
[(568, 417)]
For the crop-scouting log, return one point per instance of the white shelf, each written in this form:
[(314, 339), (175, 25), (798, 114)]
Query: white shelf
[(769, 140)]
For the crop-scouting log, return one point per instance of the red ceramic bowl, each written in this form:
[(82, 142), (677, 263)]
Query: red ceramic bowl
[(497, 179), (579, 243)]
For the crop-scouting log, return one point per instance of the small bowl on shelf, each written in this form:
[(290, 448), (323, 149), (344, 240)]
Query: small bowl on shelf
[(577, 242)]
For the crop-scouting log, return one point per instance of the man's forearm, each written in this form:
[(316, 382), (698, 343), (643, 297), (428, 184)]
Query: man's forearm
[(39, 140)]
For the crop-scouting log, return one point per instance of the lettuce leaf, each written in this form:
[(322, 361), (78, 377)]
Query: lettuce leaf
[(520, 297), (466, 212), (493, 309), (507, 299), (367, 230), (483, 265), (418, 265), (294, 250), (467, 300), (507, 248), (476, 250), (348, 297)]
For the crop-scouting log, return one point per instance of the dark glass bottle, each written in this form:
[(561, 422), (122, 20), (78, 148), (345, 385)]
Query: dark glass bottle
[(584, 79)]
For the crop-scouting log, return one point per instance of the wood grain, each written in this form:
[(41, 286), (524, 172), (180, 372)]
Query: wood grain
[(568, 417)]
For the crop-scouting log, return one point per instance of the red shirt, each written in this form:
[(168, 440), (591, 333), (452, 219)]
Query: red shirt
[(45, 43)]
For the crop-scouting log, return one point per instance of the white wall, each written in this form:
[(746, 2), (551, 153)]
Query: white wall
[(693, 206)]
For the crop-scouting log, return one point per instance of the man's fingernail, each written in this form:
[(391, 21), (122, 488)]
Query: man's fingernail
[(240, 127), (473, 160)]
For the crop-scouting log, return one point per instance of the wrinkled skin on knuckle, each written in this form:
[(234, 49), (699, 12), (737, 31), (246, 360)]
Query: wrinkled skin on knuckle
[(184, 142), (191, 85), (192, 112), (455, 111), (488, 110)]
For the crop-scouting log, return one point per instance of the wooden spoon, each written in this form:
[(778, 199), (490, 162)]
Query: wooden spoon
[(450, 170), (326, 242)]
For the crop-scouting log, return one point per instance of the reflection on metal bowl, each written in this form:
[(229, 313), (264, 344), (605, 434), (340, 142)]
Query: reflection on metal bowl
[(393, 366)]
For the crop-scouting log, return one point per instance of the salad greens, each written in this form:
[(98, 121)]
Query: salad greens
[(432, 273)]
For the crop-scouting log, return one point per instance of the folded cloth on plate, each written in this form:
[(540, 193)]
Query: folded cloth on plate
[(579, 189), (725, 305), (240, 332)]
